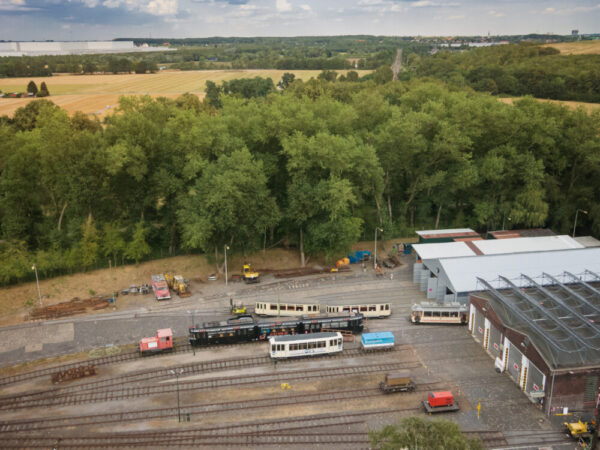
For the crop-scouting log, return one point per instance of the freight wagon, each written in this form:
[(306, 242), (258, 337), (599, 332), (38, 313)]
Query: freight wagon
[(377, 341)]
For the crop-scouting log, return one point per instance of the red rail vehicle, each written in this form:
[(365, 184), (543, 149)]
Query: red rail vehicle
[(160, 287), (442, 401), (162, 342)]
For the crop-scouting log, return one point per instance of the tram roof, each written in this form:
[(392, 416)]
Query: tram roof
[(435, 306), (303, 337), (462, 273)]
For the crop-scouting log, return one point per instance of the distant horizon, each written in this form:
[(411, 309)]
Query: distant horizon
[(139, 38), (81, 20)]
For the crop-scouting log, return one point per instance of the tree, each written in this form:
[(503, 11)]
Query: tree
[(113, 243), (286, 80), (138, 247), (141, 66), (213, 94), (383, 74), (32, 88), (229, 204), (89, 67), (89, 245), (43, 90), (415, 433), (327, 75)]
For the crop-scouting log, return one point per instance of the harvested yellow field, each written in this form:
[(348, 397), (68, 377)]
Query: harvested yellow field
[(98, 104), (97, 94), (577, 48), (589, 107)]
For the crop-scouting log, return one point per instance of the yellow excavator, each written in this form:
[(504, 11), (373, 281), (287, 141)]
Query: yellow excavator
[(250, 276), (580, 429)]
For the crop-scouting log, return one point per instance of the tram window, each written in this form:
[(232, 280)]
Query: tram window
[(304, 345), (346, 309), (427, 314), (445, 314), (387, 307), (321, 344), (273, 307), (312, 345), (273, 348), (437, 314), (331, 342), (299, 308), (363, 308), (373, 308), (293, 347), (454, 314)]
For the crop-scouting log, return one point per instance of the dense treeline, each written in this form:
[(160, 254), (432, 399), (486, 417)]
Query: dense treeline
[(523, 69), (317, 166)]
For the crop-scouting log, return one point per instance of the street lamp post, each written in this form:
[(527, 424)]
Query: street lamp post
[(575, 224), (177, 373), (375, 252), (226, 248), (37, 282)]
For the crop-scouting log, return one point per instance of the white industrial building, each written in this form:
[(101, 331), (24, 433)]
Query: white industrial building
[(450, 279), (72, 48)]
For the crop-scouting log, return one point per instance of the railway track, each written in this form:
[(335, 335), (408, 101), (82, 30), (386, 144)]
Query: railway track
[(101, 361), (192, 410), (101, 394)]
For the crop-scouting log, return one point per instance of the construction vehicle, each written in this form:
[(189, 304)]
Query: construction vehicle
[(238, 309), (442, 401), (579, 429), (250, 276), (181, 286), (169, 277)]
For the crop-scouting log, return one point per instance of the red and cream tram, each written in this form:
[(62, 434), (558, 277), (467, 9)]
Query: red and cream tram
[(432, 312)]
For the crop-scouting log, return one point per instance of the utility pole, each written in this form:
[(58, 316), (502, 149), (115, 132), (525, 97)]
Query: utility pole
[(226, 248), (37, 282)]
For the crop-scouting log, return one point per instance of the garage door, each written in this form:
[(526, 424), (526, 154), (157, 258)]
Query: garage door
[(535, 381), (495, 345), (514, 362), (417, 268), (479, 326)]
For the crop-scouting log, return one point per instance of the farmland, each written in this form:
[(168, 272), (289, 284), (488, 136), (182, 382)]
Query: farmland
[(577, 48), (96, 94), (589, 107)]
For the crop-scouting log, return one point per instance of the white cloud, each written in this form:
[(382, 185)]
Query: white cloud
[(422, 4), (458, 17), (154, 7), (283, 5), (306, 7), (549, 11), (496, 13), (14, 5)]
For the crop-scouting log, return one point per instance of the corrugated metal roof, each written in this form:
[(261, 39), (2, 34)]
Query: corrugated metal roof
[(443, 250), (448, 231), (462, 273), (588, 241), (526, 244), (495, 246)]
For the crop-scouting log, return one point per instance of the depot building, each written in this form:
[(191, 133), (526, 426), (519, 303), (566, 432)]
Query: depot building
[(544, 333)]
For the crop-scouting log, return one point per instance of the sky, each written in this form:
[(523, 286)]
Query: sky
[(108, 19)]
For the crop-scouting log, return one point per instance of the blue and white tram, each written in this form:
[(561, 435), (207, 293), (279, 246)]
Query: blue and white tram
[(294, 346)]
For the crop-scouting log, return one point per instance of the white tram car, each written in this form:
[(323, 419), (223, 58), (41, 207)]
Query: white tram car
[(368, 310), (432, 312), (285, 309), (312, 344)]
